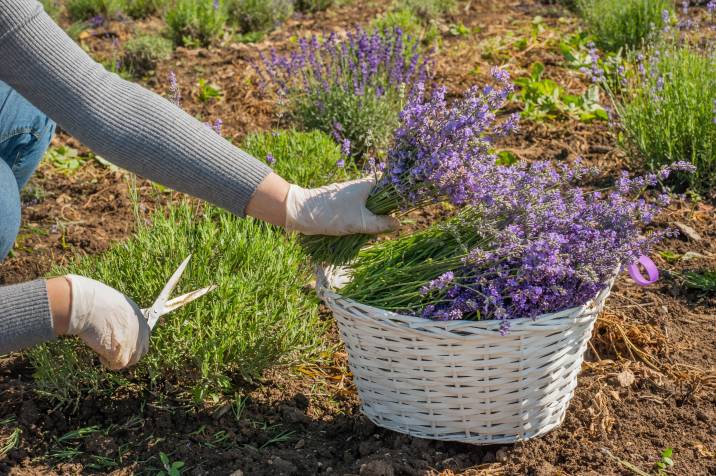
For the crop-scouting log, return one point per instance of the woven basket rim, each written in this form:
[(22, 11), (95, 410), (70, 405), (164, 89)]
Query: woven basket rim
[(548, 322)]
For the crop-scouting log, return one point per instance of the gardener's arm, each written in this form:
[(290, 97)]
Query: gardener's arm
[(106, 320)]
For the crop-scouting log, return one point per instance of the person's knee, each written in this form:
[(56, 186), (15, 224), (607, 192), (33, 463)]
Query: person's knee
[(9, 210), (25, 134)]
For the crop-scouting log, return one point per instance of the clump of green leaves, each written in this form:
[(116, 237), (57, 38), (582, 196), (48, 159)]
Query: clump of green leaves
[(142, 53), (170, 468), (543, 99), (84, 9), (260, 315), (666, 110), (618, 24), (208, 91), (65, 159), (143, 8), (309, 159), (665, 463), (700, 280), (258, 15), (195, 22)]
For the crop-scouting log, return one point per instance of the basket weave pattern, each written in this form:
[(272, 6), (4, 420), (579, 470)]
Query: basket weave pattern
[(462, 380)]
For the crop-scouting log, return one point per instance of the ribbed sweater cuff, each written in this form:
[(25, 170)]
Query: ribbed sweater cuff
[(25, 318)]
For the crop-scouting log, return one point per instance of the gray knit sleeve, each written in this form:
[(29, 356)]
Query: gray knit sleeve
[(25, 318), (119, 120)]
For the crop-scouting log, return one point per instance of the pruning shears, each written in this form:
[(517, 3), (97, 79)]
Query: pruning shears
[(163, 305)]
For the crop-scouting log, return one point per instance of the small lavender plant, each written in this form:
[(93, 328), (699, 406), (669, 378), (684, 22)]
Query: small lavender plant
[(665, 108), (352, 88), (194, 22), (618, 24), (440, 152), (534, 243)]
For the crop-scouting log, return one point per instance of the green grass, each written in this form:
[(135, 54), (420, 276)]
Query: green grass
[(618, 24), (667, 112), (260, 316), (307, 159)]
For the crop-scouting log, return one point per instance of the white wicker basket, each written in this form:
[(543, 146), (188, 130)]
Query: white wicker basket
[(461, 380)]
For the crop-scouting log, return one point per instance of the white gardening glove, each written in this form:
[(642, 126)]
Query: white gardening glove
[(107, 321), (336, 209)]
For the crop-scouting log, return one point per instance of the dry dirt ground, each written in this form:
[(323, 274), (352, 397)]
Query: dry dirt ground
[(650, 372)]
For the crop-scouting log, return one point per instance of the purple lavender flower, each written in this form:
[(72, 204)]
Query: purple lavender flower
[(372, 69), (270, 159), (666, 20), (96, 21), (174, 89), (217, 5), (549, 245), (346, 147), (340, 163), (217, 126)]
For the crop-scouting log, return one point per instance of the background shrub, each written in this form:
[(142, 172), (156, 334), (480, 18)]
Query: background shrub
[(308, 159), (143, 8), (52, 7), (352, 89), (667, 111), (312, 5), (195, 21), (427, 9), (416, 33), (142, 53), (258, 15), (85, 9), (261, 315), (618, 24)]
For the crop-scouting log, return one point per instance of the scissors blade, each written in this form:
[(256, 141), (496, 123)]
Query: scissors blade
[(185, 299), (171, 284)]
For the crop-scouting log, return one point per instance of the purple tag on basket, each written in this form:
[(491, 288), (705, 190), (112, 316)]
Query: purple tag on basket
[(650, 268)]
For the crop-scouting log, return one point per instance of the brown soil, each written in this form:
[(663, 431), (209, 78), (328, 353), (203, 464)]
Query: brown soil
[(648, 382)]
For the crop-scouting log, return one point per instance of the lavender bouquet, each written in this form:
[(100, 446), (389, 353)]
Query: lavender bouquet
[(352, 88), (534, 243), (440, 152)]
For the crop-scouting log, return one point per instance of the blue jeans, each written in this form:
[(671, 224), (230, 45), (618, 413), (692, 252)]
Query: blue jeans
[(25, 134)]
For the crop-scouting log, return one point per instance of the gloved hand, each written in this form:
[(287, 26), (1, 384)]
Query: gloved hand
[(336, 209), (107, 321)]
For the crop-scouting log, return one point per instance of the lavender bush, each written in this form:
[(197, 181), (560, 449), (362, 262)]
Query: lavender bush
[(439, 152), (193, 22), (352, 88), (533, 243), (258, 15), (665, 106)]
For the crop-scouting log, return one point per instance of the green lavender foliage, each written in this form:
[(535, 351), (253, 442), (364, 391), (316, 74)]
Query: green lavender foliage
[(84, 9), (427, 9), (260, 315), (52, 7), (618, 24), (390, 273), (193, 22), (142, 53), (667, 112), (313, 5), (308, 159), (143, 8), (258, 15)]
